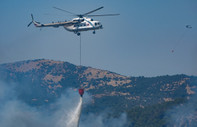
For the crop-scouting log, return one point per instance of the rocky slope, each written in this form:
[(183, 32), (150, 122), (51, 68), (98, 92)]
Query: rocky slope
[(45, 80)]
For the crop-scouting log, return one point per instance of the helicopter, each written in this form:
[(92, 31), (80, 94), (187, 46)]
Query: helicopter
[(76, 25)]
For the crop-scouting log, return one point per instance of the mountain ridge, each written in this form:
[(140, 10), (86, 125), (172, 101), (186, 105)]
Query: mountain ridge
[(60, 61), (55, 76)]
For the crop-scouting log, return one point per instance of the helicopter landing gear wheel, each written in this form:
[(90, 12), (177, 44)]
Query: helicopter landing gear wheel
[(94, 32), (78, 34)]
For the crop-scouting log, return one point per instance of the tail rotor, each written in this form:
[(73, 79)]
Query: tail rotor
[(31, 21)]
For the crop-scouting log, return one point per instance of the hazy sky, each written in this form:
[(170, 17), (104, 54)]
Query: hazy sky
[(136, 43)]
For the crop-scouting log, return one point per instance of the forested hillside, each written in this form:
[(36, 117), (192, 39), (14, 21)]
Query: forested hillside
[(147, 101)]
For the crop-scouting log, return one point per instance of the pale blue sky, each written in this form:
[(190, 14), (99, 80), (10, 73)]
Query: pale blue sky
[(136, 43)]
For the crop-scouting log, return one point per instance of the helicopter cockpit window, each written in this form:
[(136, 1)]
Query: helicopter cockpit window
[(95, 24)]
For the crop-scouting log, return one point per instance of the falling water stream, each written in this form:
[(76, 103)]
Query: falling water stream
[(75, 116)]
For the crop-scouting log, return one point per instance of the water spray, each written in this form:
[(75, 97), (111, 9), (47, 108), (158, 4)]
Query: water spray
[(81, 92), (75, 115)]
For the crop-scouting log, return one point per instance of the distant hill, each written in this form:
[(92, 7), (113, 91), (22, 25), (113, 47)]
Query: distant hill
[(43, 81)]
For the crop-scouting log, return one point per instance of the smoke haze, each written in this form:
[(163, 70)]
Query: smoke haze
[(16, 113), (184, 114)]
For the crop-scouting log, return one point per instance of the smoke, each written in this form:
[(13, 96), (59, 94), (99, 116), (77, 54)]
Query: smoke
[(17, 113), (183, 115)]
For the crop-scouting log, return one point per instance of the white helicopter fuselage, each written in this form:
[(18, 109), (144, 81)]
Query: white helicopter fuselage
[(85, 24)]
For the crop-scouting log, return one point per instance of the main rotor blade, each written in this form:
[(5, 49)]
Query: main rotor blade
[(93, 11), (64, 10), (103, 15)]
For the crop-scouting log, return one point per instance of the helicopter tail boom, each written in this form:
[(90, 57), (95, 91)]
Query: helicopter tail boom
[(53, 24)]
